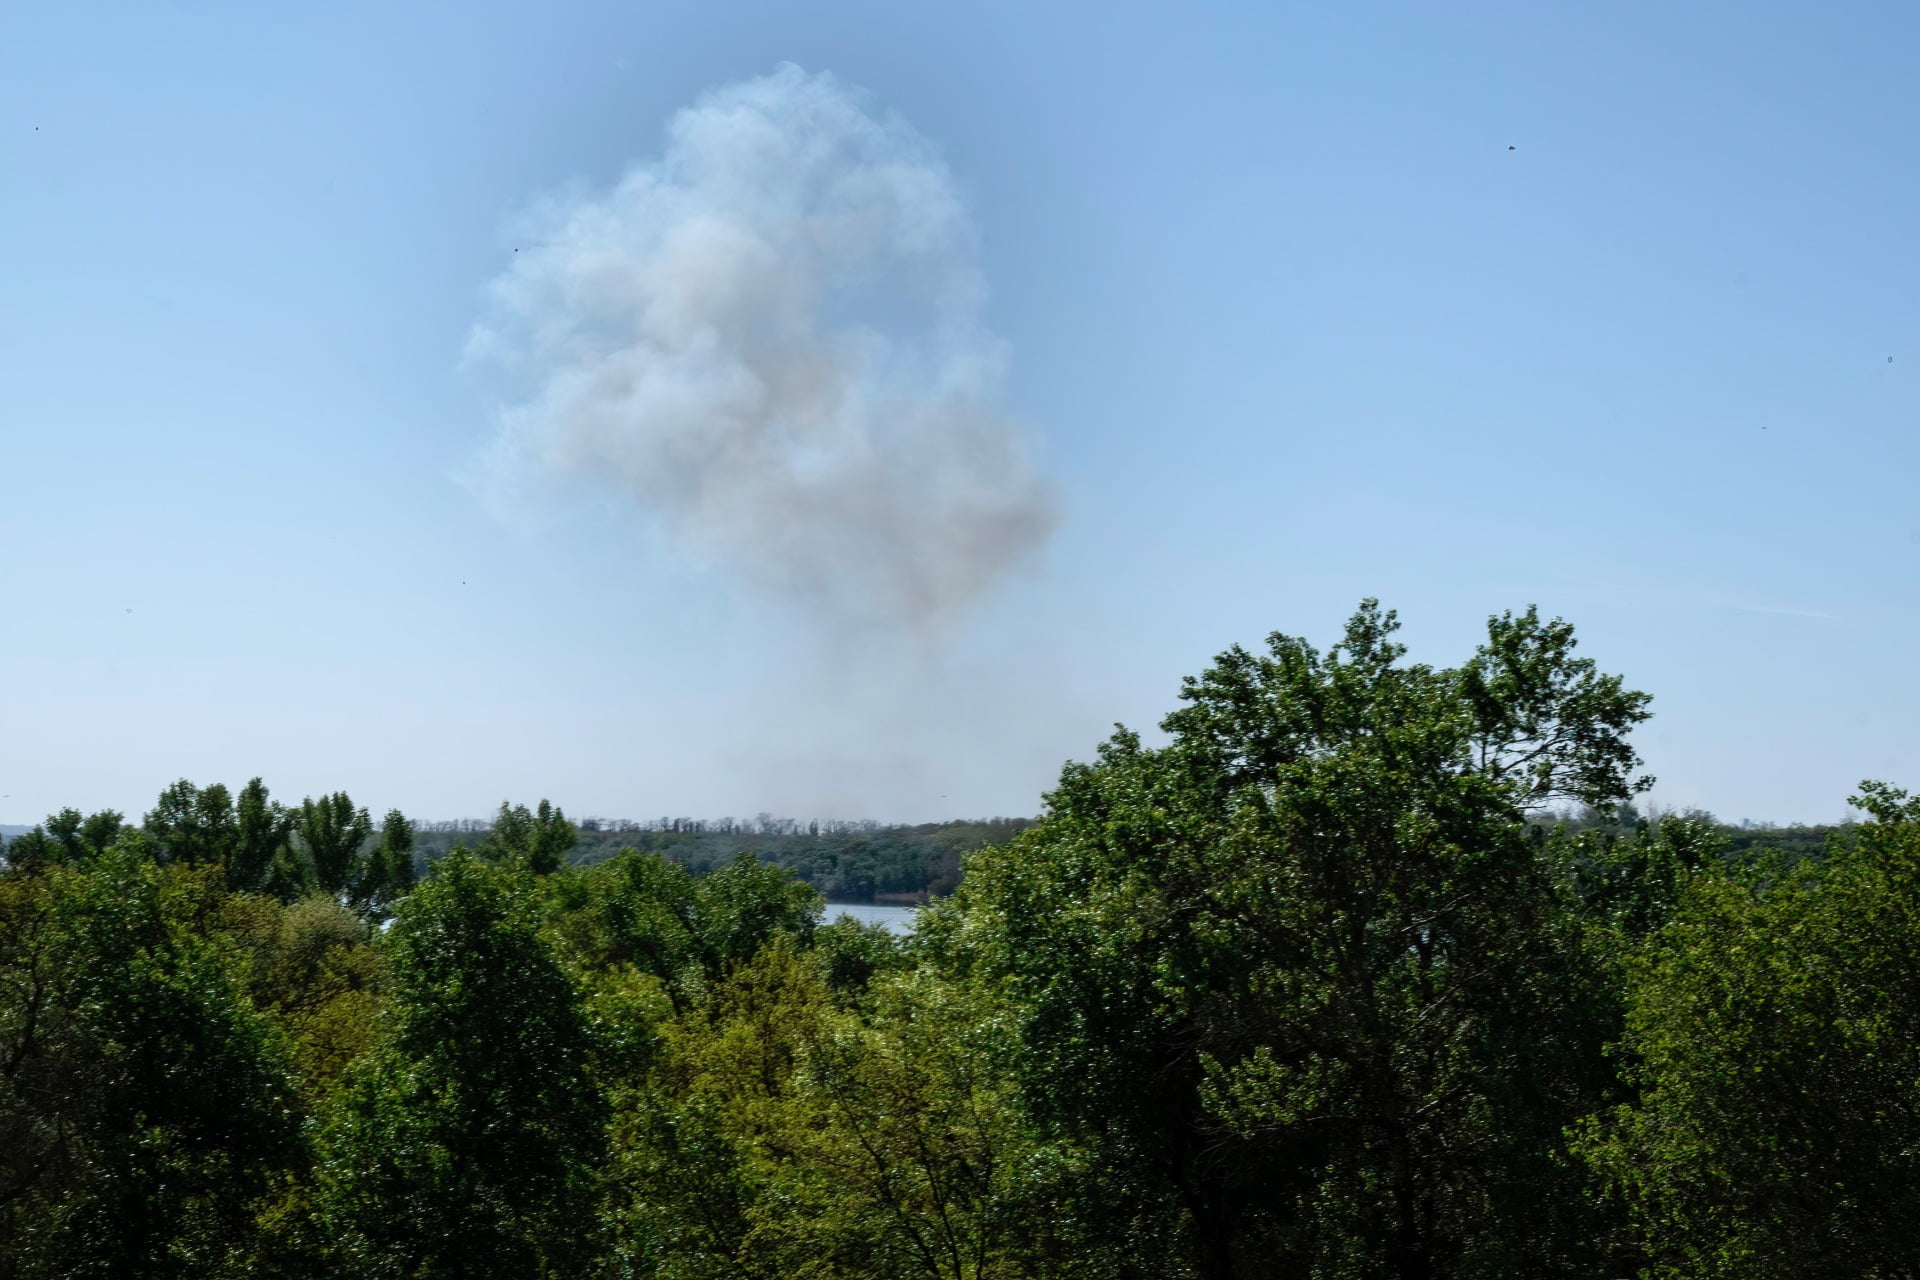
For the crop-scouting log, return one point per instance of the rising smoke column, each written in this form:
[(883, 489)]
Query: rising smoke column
[(771, 338)]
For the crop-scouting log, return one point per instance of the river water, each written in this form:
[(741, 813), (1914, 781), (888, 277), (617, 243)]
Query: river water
[(897, 919)]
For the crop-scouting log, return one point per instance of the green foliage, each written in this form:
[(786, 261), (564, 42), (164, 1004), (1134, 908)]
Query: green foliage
[(388, 876), (65, 839), (642, 911), (467, 1143), (262, 846), (144, 1104), (745, 904), (332, 835), (541, 839), (637, 911), (853, 954), (847, 861), (1369, 970), (1631, 881), (259, 859), (1546, 724), (312, 968), (191, 825), (896, 1150), (1298, 977), (1774, 1034)]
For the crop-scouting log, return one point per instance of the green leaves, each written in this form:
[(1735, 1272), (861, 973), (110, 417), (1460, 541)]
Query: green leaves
[(388, 874), (1309, 990), (263, 847), (641, 910), (65, 839), (1546, 723), (540, 839), (257, 860), (145, 1105), (191, 825), (1298, 972), (1774, 1037), (332, 835), (468, 1144)]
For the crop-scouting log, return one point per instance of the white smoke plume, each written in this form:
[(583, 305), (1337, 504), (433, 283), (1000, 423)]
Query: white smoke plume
[(771, 338)]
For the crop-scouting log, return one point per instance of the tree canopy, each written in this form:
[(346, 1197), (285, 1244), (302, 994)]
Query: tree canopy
[(1367, 967)]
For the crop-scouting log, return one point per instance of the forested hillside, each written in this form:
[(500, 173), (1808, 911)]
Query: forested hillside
[(1311, 990)]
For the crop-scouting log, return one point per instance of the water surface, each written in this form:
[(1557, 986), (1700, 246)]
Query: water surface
[(898, 919)]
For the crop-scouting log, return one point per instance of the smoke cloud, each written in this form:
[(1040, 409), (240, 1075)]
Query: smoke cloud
[(771, 338)]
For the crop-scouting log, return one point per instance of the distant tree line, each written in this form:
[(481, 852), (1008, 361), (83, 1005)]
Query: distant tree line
[(327, 846), (848, 861), (1314, 989)]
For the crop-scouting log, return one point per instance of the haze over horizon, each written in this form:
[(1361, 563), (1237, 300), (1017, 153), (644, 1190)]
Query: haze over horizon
[(852, 412)]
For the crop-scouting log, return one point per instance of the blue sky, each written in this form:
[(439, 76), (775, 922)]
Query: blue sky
[(1466, 307)]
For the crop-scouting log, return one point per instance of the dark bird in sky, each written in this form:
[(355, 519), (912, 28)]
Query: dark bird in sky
[(1509, 148)]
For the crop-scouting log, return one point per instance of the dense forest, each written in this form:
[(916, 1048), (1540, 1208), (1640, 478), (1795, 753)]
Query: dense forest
[(1317, 988), (846, 861)]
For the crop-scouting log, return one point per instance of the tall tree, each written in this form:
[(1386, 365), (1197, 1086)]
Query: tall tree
[(467, 1145), (333, 835), (540, 838), (1297, 980), (388, 876), (262, 829), (191, 825), (65, 839), (553, 839)]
